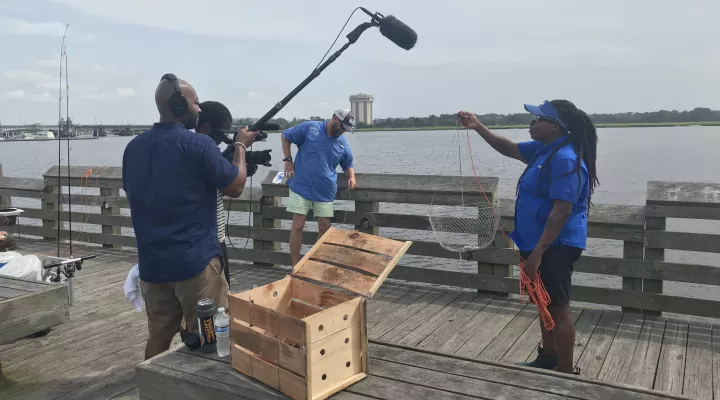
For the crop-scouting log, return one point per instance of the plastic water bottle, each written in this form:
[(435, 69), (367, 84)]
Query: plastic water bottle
[(222, 332)]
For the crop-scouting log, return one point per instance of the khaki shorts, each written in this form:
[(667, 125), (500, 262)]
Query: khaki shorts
[(167, 304), (300, 205)]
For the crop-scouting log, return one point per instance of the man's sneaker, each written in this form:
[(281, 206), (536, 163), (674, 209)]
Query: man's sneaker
[(543, 361)]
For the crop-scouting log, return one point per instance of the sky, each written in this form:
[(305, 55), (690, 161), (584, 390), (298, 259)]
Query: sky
[(481, 56)]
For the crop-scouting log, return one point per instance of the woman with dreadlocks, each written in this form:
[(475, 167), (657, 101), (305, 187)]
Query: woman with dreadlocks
[(553, 199)]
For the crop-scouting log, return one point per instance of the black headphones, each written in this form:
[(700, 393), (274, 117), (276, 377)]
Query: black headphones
[(177, 103)]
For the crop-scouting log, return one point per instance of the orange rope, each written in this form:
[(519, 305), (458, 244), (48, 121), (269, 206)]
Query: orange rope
[(85, 177), (535, 290)]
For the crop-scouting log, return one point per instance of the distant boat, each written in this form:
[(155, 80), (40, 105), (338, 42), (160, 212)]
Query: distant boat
[(44, 135)]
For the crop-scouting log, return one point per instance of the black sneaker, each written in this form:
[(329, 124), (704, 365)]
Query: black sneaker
[(576, 371), (542, 361)]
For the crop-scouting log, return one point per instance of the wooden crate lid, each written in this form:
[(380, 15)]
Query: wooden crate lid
[(355, 261)]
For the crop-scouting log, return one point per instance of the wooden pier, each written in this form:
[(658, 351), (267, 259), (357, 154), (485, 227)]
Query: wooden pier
[(624, 340)]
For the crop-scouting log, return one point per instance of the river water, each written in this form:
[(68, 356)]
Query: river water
[(627, 159)]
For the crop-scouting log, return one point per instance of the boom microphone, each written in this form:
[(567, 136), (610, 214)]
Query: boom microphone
[(394, 29), (390, 27)]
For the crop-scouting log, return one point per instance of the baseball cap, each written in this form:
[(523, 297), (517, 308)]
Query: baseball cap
[(347, 119), (545, 110)]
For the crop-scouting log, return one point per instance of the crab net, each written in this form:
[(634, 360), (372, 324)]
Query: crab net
[(463, 228)]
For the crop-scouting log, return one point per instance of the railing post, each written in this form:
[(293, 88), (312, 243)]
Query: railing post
[(50, 207), (368, 207), (261, 222), (107, 210), (653, 223), (4, 200), (499, 270), (502, 270), (654, 254), (632, 250)]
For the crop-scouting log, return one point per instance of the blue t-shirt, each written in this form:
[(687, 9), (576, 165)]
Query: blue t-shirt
[(171, 177), (317, 160), (543, 183)]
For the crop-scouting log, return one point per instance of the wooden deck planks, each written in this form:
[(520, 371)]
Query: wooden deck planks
[(459, 317), (698, 377), (487, 332), (419, 318), (458, 338), (516, 380), (617, 363), (674, 356), (402, 309), (716, 361), (505, 340), (671, 366), (596, 350), (438, 319), (647, 353)]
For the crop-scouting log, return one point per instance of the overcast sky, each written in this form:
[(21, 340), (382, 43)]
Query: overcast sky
[(477, 55)]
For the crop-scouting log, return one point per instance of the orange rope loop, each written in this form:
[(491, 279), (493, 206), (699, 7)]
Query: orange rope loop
[(534, 290)]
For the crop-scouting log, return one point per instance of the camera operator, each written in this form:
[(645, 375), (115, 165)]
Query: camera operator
[(215, 121), (171, 177)]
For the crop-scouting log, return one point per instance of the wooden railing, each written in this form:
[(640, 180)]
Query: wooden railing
[(640, 228)]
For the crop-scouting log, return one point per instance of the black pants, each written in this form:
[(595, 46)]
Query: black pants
[(226, 262), (556, 270)]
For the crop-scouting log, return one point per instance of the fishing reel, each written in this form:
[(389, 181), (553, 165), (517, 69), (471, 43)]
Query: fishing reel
[(66, 267)]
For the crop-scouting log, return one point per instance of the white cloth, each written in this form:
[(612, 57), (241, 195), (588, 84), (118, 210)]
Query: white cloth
[(132, 289)]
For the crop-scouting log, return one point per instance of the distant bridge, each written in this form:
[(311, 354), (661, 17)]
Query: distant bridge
[(40, 127)]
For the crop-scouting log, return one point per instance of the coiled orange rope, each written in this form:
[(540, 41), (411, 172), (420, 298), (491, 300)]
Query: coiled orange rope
[(532, 289)]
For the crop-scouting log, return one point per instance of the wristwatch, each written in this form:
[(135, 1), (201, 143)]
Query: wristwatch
[(288, 158)]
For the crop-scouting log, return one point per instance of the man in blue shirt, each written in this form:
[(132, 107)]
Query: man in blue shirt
[(312, 178), (171, 176), (551, 210)]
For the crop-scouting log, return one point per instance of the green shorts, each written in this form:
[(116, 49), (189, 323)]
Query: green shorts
[(300, 205)]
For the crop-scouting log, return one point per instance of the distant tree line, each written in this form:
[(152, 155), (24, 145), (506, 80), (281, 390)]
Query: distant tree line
[(699, 114)]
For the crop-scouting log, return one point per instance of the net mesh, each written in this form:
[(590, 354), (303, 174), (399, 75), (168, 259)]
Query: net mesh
[(467, 227)]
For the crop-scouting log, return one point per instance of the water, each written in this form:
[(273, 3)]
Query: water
[(222, 332), (627, 159)]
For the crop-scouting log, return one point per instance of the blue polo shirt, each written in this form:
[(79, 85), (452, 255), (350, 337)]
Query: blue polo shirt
[(541, 185), (171, 177), (317, 160)]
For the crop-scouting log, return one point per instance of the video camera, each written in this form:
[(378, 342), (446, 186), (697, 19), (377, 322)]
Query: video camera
[(252, 158)]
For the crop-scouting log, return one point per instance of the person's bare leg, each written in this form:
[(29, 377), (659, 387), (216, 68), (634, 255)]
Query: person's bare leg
[(323, 226), (549, 345), (296, 233), (564, 336)]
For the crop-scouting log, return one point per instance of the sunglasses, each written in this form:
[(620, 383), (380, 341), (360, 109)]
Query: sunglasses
[(537, 119)]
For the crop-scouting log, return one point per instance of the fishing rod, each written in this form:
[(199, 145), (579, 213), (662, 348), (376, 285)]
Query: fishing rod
[(59, 186), (69, 266), (67, 121)]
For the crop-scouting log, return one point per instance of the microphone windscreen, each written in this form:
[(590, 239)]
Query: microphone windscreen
[(399, 33)]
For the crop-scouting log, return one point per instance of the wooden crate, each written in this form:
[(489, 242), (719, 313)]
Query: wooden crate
[(306, 340)]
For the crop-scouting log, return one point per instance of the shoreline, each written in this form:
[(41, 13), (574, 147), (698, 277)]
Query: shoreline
[(598, 125)]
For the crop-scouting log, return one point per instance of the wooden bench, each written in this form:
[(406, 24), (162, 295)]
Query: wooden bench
[(395, 372), (28, 307)]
